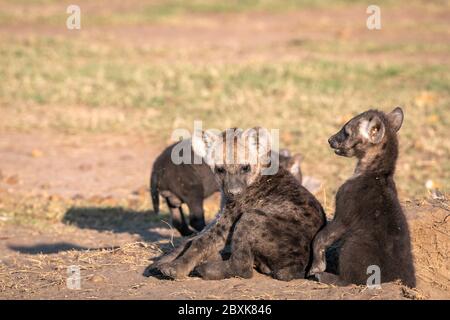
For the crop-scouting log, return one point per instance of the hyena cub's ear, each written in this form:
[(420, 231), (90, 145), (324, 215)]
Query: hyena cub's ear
[(373, 129), (294, 164), (259, 142), (285, 153), (203, 142), (395, 118)]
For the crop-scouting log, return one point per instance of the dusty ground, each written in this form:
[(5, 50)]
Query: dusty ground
[(84, 114), (88, 226)]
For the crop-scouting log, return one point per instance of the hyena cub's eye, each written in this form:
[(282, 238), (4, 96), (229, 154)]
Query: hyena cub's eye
[(347, 131), (220, 170), (245, 168)]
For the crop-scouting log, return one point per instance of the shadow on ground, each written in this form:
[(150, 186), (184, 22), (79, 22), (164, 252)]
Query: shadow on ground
[(119, 220), (148, 226), (51, 248)]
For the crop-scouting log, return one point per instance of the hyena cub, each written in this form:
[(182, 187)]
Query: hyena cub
[(369, 221), (191, 183), (182, 183), (292, 163), (270, 220)]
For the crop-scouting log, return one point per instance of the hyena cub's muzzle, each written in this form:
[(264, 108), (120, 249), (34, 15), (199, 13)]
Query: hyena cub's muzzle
[(339, 143), (234, 182), (233, 187)]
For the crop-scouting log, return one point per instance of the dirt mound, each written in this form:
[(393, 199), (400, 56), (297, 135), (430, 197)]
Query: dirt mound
[(429, 222)]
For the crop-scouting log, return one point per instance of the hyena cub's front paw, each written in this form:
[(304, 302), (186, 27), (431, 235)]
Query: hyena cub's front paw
[(318, 266), (173, 270)]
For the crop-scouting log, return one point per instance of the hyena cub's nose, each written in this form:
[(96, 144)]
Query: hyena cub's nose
[(333, 143), (234, 191)]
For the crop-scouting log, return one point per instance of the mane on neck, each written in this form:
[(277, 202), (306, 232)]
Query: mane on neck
[(380, 159)]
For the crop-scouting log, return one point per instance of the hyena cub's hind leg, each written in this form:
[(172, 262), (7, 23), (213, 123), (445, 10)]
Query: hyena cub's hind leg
[(196, 213), (177, 217)]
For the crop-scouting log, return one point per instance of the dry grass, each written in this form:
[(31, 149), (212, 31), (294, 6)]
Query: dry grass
[(39, 272)]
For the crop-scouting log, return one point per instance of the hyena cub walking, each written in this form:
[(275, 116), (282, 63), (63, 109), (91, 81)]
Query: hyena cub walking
[(368, 221), (270, 220)]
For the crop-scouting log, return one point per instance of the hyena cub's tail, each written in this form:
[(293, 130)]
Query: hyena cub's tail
[(154, 191)]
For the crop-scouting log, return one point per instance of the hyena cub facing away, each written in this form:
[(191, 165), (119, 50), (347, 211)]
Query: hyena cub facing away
[(191, 183), (369, 221), (182, 183), (270, 220)]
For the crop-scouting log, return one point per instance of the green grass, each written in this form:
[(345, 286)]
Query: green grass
[(55, 72)]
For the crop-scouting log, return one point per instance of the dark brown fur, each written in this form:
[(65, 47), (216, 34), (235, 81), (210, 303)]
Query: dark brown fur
[(369, 221), (182, 183), (270, 221)]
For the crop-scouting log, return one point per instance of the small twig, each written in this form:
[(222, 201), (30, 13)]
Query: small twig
[(172, 231)]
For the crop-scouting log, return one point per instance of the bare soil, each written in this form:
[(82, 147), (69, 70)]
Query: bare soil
[(77, 165)]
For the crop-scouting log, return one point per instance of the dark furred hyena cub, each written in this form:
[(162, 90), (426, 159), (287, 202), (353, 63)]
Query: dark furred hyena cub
[(270, 220), (369, 221), (182, 183), (191, 183)]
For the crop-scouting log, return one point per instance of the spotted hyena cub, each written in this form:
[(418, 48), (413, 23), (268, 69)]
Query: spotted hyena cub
[(269, 219), (369, 221), (191, 183), (292, 163)]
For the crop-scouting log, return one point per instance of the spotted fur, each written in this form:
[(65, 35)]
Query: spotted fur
[(269, 220)]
